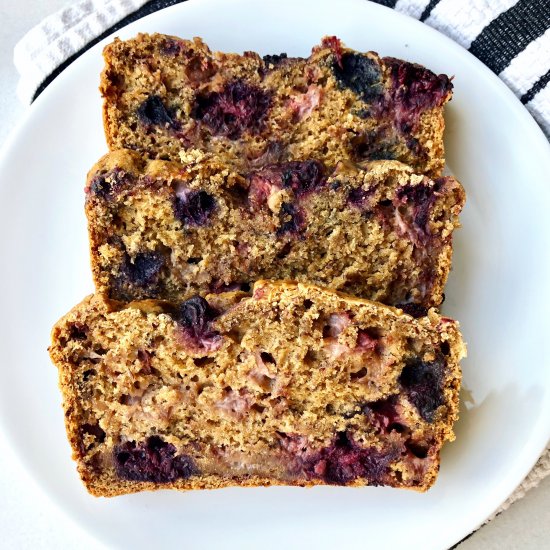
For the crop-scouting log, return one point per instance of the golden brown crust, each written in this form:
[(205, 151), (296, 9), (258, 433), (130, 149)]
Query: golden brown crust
[(116, 360)]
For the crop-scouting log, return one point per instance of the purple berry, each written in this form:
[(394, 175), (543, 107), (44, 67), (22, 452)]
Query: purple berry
[(412, 309), (302, 177), (413, 91), (195, 317), (262, 184), (291, 220), (358, 197), (274, 59), (359, 73), (383, 414), (238, 108), (196, 313), (413, 144), (423, 385), (144, 270), (335, 44), (108, 184), (153, 460), (345, 461), (383, 411), (100, 186), (171, 47), (194, 207), (78, 331), (153, 112), (420, 198)]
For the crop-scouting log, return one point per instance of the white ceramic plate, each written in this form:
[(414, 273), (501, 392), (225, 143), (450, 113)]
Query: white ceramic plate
[(499, 291)]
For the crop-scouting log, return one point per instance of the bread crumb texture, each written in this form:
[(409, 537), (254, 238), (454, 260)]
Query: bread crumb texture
[(164, 230), (292, 384), (163, 94)]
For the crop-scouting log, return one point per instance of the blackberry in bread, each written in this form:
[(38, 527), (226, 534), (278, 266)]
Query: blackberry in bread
[(294, 385), (165, 230), (163, 94)]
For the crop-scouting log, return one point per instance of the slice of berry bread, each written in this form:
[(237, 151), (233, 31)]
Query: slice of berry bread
[(295, 385), (163, 94), (167, 231)]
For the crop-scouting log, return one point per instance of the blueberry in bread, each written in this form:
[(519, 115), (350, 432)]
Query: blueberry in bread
[(163, 94), (165, 230), (293, 385)]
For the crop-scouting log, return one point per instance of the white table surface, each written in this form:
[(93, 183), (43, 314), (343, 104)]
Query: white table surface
[(29, 520)]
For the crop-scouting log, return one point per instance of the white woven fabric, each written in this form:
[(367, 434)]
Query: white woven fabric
[(463, 21), (528, 66), (412, 8), (62, 35)]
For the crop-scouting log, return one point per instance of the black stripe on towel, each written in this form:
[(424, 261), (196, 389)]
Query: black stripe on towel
[(387, 3), (510, 33), (536, 88), (428, 9)]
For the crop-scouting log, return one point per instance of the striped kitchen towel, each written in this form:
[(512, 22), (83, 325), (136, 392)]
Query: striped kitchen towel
[(512, 37)]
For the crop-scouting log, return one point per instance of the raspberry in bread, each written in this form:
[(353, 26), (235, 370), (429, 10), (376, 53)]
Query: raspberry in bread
[(168, 231), (163, 94), (295, 385)]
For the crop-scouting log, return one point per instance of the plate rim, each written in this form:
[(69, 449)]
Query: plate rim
[(15, 135)]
